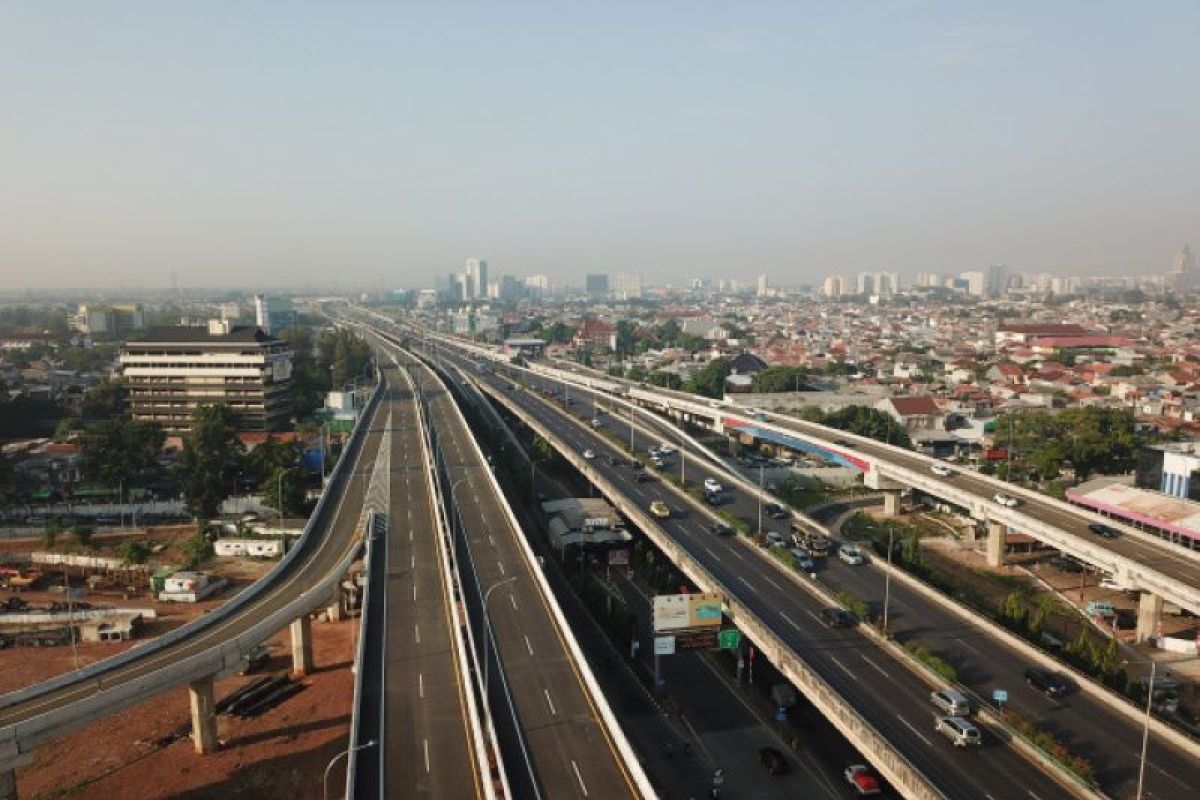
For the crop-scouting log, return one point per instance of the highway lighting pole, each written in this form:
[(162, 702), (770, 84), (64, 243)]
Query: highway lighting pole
[(279, 497), (1146, 728), (337, 758), (760, 491), (887, 578), (487, 633)]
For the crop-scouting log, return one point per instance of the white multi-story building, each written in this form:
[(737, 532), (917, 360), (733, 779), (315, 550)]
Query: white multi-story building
[(171, 372), (835, 286), (764, 286), (627, 286), (976, 282), (475, 287)]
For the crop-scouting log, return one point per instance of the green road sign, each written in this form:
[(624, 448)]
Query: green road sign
[(730, 639)]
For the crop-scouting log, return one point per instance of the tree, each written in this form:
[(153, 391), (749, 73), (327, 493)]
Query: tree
[(133, 552), (560, 333), (710, 379), (210, 460), (779, 379), (196, 550), (636, 373), (117, 453), (65, 427), (267, 458), (284, 490), (1125, 371), (309, 381), (668, 380), (625, 338), (104, 401), (870, 422)]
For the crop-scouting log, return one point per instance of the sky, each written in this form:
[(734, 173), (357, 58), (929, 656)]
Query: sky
[(262, 144)]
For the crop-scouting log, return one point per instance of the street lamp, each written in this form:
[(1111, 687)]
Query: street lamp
[(760, 494), (487, 631), (337, 758), (887, 578)]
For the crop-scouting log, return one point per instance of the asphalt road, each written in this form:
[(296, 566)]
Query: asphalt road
[(428, 750), (570, 753), (323, 552), (883, 690), (1109, 739)]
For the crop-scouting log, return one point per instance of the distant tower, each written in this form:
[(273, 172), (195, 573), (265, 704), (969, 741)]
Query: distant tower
[(262, 313), (476, 271), (1183, 276)]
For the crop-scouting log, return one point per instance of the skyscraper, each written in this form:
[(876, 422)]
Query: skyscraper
[(1183, 274), (596, 285), (262, 313), (476, 284), (764, 286), (627, 286)]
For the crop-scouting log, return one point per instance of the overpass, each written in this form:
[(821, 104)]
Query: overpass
[(305, 579), (1139, 561)]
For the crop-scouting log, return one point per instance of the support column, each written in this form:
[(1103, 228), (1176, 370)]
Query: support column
[(891, 504), (334, 611), (204, 718), (302, 653), (1150, 608), (8, 784), (997, 544)]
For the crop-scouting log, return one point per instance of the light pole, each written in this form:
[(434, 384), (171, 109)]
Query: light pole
[(487, 631), (1146, 728), (887, 578), (337, 758), (760, 493), (279, 497)]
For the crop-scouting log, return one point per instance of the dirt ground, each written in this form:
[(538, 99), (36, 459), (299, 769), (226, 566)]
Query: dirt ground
[(281, 754)]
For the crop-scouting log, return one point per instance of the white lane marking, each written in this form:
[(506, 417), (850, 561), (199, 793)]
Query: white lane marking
[(736, 554), (500, 564), (1031, 794), (743, 580), (773, 583), (412, 562), (427, 755), (963, 642), (528, 645), (842, 667), (414, 593), (410, 533), (578, 777), (814, 616), (710, 552), (874, 666), (513, 600), (490, 539), (916, 732), (1163, 772), (420, 684), (549, 702), (789, 620), (417, 631)]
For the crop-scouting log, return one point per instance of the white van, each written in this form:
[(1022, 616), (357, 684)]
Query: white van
[(951, 702), (959, 731)]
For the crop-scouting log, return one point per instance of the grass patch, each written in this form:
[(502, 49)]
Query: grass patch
[(784, 556), (855, 606), (933, 661), (1048, 744)]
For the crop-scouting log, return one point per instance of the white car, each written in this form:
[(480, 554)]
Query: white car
[(589, 454), (941, 470), (1006, 500), (851, 555), (711, 485), (596, 423), (666, 449)]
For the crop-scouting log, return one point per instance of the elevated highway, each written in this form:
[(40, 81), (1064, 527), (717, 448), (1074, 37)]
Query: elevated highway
[(306, 579)]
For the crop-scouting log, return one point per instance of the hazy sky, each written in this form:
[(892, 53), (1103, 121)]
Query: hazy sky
[(259, 144)]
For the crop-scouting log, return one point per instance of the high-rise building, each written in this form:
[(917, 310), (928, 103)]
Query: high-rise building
[(476, 284), (878, 283), (596, 284), (262, 313), (997, 280), (834, 286), (975, 282), (171, 372), (627, 286), (1183, 273), (764, 286), (539, 284)]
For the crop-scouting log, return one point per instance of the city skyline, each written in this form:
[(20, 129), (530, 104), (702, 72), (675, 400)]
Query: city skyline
[(350, 149)]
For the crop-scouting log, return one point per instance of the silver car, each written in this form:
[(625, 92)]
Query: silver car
[(959, 731)]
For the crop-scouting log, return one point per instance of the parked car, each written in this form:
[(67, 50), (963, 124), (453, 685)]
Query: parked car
[(959, 731), (862, 780), (850, 554), (774, 539), (711, 485), (951, 702), (1006, 500), (1048, 683), (941, 470), (837, 618), (1102, 530), (596, 423), (774, 761), (657, 462), (666, 449), (776, 511), (713, 498), (643, 477), (659, 509), (589, 454)]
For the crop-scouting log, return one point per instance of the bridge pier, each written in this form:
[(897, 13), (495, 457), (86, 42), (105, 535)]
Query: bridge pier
[(891, 503), (997, 543), (302, 650), (204, 717), (8, 784), (1150, 608)]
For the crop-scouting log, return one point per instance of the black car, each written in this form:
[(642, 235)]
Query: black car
[(720, 529), (636, 465), (643, 477), (774, 761), (713, 498), (776, 511), (837, 618), (1102, 530), (1067, 564), (1048, 683)]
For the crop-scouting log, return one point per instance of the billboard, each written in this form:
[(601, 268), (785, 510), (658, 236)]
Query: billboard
[(678, 612)]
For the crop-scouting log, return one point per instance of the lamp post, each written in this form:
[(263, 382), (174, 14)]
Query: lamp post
[(487, 631), (279, 497), (887, 578), (1146, 728), (760, 494), (337, 758)]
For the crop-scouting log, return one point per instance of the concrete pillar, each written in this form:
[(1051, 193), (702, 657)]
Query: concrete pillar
[(204, 718), (334, 611), (302, 651), (8, 785), (1150, 608), (997, 544), (891, 504)]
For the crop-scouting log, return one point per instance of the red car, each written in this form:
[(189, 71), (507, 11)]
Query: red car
[(862, 780)]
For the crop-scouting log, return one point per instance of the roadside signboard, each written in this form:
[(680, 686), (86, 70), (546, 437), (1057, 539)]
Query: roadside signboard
[(1000, 696), (676, 612), (664, 645), (696, 640), (730, 639)]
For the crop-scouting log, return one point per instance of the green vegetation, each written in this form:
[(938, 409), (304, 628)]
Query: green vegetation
[(1089, 439), (133, 552), (1048, 744), (210, 461), (864, 421), (121, 454), (854, 605), (784, 556), (709, 380), (779, 379), (933, 661), (196, 550), (284, 490)]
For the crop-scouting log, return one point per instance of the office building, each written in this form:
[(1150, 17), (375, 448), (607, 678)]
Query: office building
[(975, 282), (835, 286), (475, 285), (1182, 276), (262, 313), (173, 371), (596, 285), (764, 286), (627, 286)]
